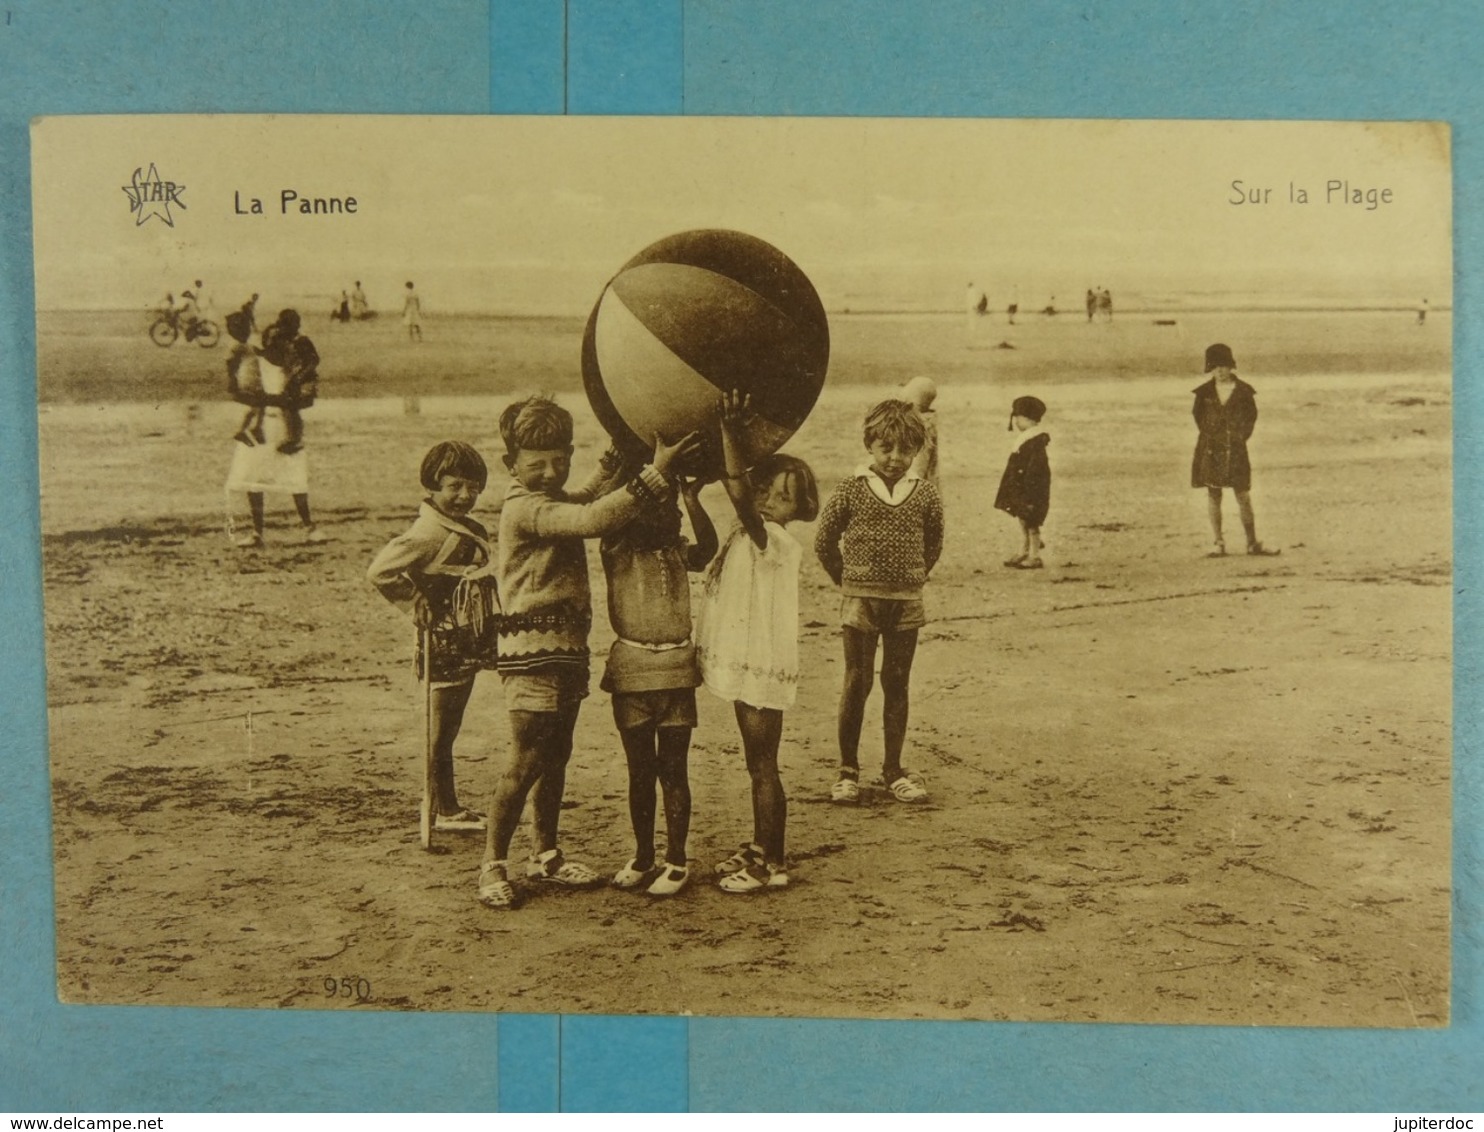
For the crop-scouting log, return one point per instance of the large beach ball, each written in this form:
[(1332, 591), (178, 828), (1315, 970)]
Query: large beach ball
[(694, 315)]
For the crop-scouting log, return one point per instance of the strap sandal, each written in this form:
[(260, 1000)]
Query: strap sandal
[(908, 789), (495, 889), (754, 878), (671, 880), (552, 868), (460, 821), (1257, 548), (743, 858), (631, 876), (845, 791)]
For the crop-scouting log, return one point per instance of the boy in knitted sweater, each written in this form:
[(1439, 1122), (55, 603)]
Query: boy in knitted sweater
[(546, 611), (879, 537)]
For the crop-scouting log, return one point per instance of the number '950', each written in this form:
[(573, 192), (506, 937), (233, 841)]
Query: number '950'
[(358, 989)]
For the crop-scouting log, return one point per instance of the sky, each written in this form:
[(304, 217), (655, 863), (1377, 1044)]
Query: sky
[(513, 215)]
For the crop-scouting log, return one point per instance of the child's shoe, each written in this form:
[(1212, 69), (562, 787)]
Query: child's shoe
[(495, 889), (743, 858), (552, 868), (289, 447), (1029, 564), (754, 878), (671, 880), (248, 541), (460, 820), (1015, 563), (906, 789), (1217, 551), (1257, 548), (312, 533), (631, 876), (845, 791), (245, 437)]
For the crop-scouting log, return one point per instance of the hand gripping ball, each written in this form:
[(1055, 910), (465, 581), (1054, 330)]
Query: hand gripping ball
[(692, 316)]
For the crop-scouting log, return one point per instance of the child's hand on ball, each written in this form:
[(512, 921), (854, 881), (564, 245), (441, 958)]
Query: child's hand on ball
[(667, 455)]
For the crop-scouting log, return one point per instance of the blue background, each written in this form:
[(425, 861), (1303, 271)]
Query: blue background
[(880, 57)]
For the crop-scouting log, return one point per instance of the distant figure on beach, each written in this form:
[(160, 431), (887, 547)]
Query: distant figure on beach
[(1422, 312), (359, 307), (341, 313), (280, 462), (1025, 486), (203, 300), (1225, 413), (412, 314), (920, 393), (250, 309), (1010, 312), (1049, 310), (1105, 304), (1092, 303), (982, 306)]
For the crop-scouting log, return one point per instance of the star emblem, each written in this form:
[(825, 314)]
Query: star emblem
[(150, 196)]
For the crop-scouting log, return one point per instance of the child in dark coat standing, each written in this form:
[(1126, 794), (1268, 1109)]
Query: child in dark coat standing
[(1225, 413), (1025, 488)]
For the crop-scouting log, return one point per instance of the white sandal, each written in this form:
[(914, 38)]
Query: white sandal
[(754, 878), (905, 789), (495, 889), (671, 880), (552, 868), (631, 876)]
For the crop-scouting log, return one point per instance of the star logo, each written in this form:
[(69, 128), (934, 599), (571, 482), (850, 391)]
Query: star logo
[(149, 196)]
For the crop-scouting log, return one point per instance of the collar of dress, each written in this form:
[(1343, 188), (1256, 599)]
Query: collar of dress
[(1024, 438), (891, 496), (449, 523)]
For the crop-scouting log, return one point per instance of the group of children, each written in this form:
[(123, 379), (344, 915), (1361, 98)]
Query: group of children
[(520, 603)]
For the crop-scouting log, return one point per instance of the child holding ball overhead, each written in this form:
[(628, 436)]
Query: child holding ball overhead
[(747, 632)]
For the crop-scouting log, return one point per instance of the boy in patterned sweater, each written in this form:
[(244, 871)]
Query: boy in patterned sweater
[(879, 538), (546, 611)]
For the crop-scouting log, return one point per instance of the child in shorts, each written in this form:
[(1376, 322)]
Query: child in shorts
[(652, 674), (440, 571), (879, 537), (546, 612)]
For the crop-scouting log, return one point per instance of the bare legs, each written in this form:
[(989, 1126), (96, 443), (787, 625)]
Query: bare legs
[(448, 716), (1244, 510), (658, 755), (540, 745), (898, 651), (762, 730)]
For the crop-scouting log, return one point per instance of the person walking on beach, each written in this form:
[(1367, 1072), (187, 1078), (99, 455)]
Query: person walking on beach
[(1025, 486), (1225, 413), (412, 314)]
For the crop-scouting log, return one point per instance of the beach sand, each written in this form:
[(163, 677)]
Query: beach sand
[(1163, 788)]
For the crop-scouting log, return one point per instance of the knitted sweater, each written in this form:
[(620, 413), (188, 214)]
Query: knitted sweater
[(872, 548), (432, 556), (545, 599)]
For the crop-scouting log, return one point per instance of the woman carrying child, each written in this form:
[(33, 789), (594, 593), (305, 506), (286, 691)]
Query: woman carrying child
[(277, 382), (652, 675), (441, 572), (1225, 413), (747, 633)]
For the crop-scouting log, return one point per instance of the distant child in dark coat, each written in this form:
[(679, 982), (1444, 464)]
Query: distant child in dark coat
[(1025, 488), (1225, 412)]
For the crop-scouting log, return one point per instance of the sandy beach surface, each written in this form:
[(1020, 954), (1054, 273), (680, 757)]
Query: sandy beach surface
[(1163, 788)]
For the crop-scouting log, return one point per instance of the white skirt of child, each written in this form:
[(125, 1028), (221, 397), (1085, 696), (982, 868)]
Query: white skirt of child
[(263, 468), (747, 628)]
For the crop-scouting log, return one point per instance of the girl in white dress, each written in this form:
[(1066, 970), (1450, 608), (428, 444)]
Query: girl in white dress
[(747, 633)]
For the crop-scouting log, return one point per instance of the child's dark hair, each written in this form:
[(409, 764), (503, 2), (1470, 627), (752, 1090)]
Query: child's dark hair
[(239, 326), (806, 489), (895, 422), (537, 423), (452, 458)]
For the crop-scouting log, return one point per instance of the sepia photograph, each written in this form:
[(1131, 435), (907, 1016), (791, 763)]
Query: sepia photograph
[(972, 569)]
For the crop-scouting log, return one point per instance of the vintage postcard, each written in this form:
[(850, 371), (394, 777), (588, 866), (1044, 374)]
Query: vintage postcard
[(852, 568)]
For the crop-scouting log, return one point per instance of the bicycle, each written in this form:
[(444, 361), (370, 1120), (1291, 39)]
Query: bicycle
[(167, 327)]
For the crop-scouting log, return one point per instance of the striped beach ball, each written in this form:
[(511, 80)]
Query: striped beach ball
[(694, 315)]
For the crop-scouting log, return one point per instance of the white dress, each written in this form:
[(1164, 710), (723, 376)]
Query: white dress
[(263, 467), (747, 629)]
